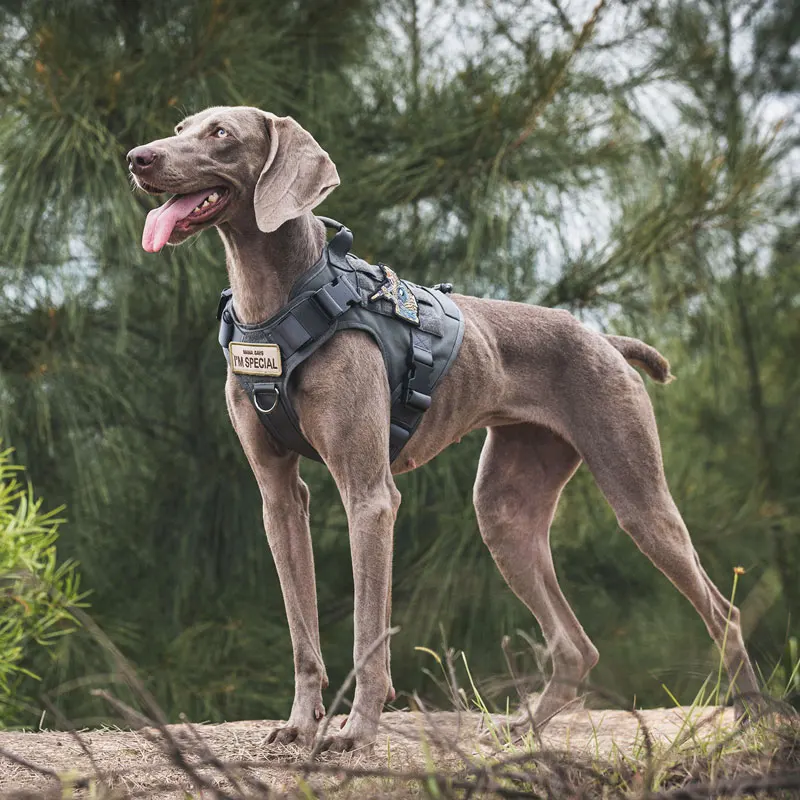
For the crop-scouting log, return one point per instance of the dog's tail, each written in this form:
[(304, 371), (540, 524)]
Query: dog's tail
[(642, 355)]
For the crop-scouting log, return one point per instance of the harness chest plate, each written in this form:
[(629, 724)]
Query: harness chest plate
[(418, 331)]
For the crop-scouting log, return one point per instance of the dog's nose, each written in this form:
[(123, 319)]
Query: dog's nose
[(141, 157)]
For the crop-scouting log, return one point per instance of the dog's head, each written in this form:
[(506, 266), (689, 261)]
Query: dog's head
[(230, 164)]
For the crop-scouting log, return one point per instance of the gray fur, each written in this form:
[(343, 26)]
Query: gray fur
[(560, 393)]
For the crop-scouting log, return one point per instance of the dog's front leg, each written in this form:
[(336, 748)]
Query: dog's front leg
[(286, 525), (347, 419), (371, 501), (285, 505)]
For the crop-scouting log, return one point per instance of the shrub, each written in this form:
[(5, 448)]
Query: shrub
[(36, 592)]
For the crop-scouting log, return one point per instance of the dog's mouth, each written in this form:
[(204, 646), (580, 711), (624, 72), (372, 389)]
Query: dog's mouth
[(182, 212), (149, 188)]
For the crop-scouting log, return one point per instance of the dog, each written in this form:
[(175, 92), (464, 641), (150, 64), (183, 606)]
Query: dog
[(551, 393)]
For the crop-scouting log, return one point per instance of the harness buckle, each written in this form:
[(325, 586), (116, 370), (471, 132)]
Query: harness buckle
[(334, 299), (329, 307), (266, 388), (417, 400), (398, 435), (224, 296), (225, 321), (417, 356), (420, 367)]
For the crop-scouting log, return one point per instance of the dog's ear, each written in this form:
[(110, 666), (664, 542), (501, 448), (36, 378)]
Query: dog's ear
[(297, 175)]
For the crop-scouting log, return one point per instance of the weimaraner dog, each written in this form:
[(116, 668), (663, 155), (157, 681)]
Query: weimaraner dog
[(552, 393)]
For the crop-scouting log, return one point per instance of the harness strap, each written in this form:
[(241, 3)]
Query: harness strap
[(313, 316), (304, 322), (415, 394)]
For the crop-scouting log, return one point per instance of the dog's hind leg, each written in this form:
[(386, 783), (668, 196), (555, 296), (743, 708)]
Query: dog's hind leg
[(522, 471), (618, 438)]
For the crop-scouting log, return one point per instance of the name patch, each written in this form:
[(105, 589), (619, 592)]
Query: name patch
[(255, 359)]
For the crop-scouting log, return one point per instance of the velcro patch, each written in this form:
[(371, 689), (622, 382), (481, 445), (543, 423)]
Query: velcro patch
[(255, 359), (398, 293)]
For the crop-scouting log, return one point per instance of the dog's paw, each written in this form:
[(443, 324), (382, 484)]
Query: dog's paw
[(356, 734), (301, 729), (511, 732), (343, 743), (336, 743), (291, 734), (752, 708)]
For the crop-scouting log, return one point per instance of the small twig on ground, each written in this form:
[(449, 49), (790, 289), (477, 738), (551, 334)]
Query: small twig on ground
[(70, 728), (752, 784), (23, 762), (505, 645), (168, 742), (442, 741), (442, 780), (208, 754)]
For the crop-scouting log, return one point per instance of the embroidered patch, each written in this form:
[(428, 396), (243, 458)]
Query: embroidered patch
[(401, 297), (255, 359)]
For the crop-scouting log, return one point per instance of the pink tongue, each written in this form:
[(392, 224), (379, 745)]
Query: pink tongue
[(161, 221)]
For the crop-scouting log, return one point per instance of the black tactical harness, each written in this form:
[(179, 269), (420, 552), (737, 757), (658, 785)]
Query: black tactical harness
[(418, 330)]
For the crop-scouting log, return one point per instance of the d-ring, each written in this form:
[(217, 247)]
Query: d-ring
[(274, 402)]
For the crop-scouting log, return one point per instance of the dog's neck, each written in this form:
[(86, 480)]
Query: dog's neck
[(262, 267)]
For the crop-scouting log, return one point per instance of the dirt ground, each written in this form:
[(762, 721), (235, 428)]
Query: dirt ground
[(137, 761)]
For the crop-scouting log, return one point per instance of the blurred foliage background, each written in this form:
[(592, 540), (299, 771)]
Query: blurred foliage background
[(633, 162)]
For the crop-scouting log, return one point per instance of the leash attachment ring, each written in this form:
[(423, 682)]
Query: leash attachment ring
[(266, 388)]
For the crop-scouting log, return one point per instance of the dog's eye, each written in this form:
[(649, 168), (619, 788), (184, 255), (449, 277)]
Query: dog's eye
[(220, 133)]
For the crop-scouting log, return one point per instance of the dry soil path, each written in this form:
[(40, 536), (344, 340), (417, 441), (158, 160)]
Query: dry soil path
[(137, 762)]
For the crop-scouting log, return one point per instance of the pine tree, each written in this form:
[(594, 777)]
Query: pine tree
[(511, 150)]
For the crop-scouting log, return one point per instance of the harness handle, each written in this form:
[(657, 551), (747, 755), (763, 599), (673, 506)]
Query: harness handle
[(339, 246), (330, 223)]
